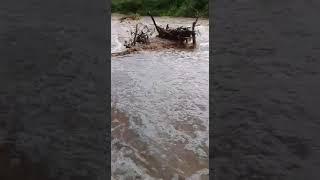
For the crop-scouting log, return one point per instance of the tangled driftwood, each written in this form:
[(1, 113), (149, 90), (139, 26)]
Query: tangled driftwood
[(140, 35), (181, 34), (172, 38)]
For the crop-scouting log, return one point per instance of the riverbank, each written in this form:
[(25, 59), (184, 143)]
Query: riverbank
[(178, 8)]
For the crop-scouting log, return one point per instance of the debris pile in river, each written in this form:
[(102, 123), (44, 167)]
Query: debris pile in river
[(140, 35), (167, 38), (180, 34)]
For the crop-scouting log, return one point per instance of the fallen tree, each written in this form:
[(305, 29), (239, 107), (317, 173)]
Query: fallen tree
[(167, 38), (181, 34)]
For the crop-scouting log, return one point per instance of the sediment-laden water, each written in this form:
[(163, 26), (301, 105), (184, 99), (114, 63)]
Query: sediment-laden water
[(160, 102)]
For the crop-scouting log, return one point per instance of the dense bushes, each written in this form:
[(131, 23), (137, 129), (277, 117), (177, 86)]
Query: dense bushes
[(188, 8)]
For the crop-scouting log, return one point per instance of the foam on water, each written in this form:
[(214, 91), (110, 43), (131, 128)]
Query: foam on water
[(165, 96)]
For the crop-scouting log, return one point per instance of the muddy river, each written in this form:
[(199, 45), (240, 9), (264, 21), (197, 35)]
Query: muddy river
[(160, 107)]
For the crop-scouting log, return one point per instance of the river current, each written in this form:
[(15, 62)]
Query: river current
[(160, 102)]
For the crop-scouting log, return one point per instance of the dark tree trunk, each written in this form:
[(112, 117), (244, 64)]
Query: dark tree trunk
[(181, 34)]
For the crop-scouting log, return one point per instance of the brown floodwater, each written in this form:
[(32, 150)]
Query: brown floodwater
[(160, 103)]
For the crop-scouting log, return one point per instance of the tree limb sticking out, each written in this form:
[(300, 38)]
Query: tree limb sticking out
[(181, 34)]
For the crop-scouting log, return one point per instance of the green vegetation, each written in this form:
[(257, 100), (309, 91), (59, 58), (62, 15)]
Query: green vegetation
[(186, 8)]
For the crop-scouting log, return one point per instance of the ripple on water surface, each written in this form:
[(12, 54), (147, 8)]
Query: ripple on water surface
[(161, 112)]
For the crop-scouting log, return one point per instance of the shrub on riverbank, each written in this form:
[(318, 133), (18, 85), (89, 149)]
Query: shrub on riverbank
[(187, 8)]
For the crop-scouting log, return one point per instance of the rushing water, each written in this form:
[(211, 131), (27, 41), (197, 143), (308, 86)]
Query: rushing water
[(160, 103)]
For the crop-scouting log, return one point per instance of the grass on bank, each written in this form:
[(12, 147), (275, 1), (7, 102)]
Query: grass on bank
[(185, 8)]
